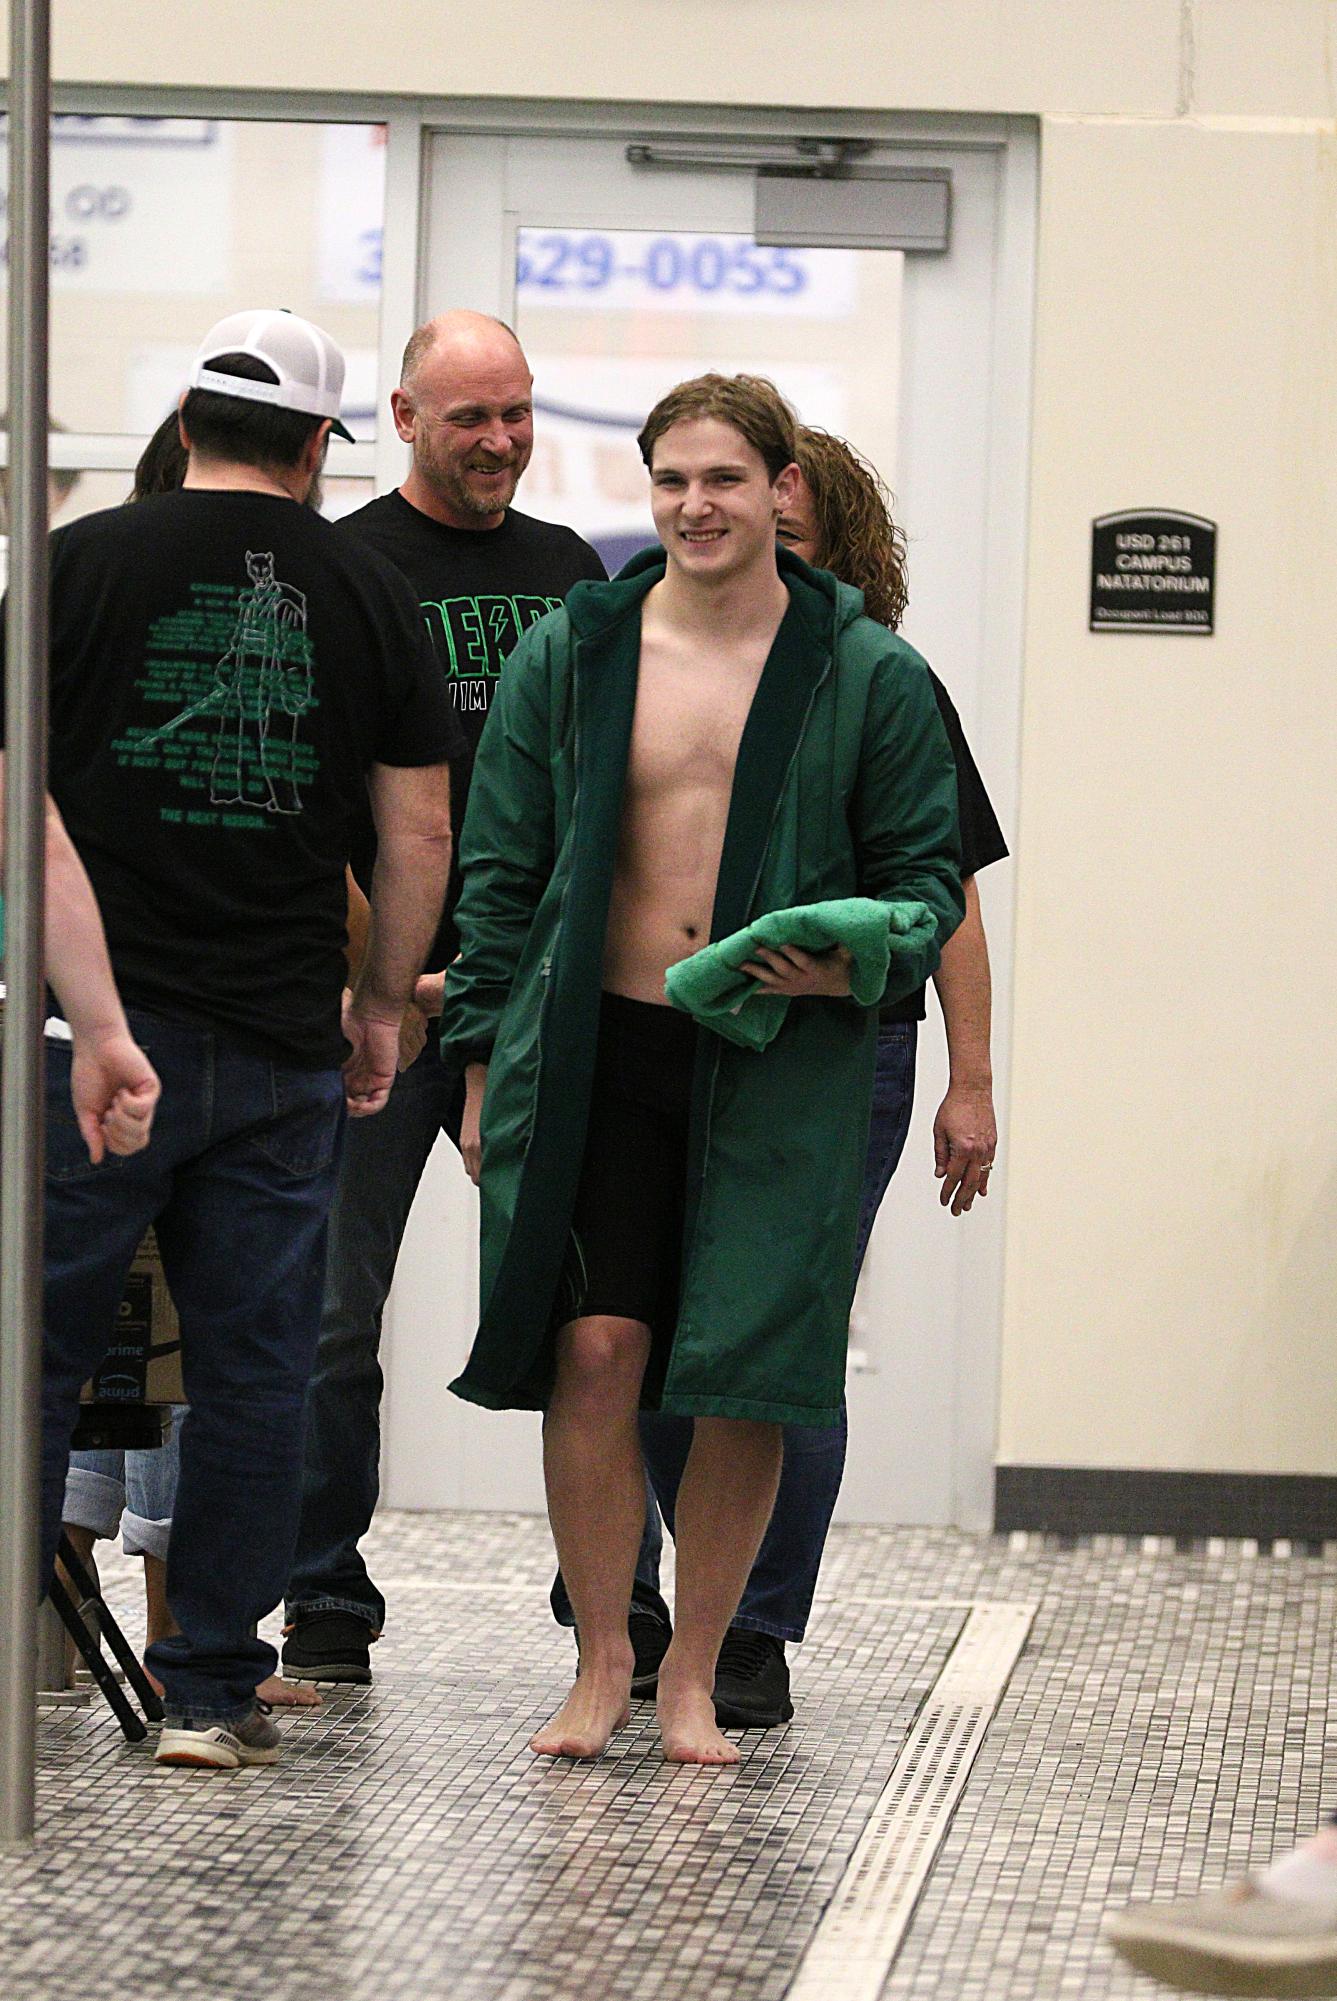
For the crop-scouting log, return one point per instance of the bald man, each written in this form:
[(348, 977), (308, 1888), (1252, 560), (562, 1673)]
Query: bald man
[(483, 573)]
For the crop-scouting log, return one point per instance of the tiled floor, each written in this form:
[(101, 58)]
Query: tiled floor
[(1169, 1722)]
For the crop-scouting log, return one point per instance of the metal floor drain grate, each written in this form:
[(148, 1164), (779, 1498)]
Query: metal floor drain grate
[(852, 1950)]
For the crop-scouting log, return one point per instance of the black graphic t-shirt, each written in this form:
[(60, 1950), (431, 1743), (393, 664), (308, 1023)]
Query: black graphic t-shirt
[(479, 590), (224, 669), (981, 836)]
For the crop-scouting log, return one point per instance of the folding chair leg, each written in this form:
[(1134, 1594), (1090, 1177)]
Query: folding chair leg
[(131, 1726), (125, 1653), (150, 1700)]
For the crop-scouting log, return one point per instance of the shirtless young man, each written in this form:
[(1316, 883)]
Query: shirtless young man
[(706, 632), (664, 681)]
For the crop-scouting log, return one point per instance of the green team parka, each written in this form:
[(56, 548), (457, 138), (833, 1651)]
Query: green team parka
[(844, 785)]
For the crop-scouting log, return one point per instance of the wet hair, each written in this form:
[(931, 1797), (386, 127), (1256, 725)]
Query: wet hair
[(752, 405), (857, 538), (162, 463), (243, 432)]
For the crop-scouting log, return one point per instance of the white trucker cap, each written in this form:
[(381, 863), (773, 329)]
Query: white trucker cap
[(309, 367)]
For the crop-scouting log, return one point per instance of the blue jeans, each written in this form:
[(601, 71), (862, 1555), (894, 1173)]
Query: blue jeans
[(133, 1491), (779, 1592), (237, 1179), (383, 1161)]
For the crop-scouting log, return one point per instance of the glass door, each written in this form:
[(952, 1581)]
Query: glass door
[(622, 279), (612, 318)]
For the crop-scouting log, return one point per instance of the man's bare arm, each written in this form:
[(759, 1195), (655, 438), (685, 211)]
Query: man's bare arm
[(113, 1085), (413, 1021), (965, 1132), (77, 963), (411, 808)]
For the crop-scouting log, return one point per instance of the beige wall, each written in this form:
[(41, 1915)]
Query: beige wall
[(1171, 1182), (1147, 58), (1172, 1248)]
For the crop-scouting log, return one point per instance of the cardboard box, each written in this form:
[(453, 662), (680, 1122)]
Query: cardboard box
[(143, 1363)]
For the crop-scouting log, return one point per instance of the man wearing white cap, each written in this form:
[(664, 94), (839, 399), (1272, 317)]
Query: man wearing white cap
[(228, 688)]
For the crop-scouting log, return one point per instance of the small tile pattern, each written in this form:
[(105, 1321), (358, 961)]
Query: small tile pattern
[(1168, 1725)]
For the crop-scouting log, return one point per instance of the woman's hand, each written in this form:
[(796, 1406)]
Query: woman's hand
[(471, 1143), (793, 973)]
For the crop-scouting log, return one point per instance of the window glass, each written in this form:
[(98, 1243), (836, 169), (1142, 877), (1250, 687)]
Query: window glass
[(611, 319), (160, 226)]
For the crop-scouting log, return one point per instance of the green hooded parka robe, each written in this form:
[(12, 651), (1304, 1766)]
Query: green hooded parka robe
[(844, 785)]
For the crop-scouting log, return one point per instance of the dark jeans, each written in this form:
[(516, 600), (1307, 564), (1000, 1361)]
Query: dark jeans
[(237, 1179), (383, 1161), (779, 1592)]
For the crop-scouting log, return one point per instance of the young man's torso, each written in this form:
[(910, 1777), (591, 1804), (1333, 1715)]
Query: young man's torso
[(693, 696)]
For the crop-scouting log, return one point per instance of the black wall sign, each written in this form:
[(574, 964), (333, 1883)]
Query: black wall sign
[(1152, 572)]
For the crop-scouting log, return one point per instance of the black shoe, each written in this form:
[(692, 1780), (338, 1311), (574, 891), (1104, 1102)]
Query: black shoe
[(751, 1682), (650, 1633), (328, 1646), (649, 1630)]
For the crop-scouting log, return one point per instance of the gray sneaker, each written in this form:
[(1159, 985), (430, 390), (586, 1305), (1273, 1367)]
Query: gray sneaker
[(1242, 1940), (220, 1747)]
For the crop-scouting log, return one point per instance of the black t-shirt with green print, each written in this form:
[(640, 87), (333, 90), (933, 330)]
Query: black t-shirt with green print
[(479, 590), (224, 670)]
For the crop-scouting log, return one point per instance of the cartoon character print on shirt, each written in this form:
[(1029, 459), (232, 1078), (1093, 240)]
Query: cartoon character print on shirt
[(474, 635), (261, 686)]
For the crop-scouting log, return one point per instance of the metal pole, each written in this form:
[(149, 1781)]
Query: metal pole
[(21, 1092)]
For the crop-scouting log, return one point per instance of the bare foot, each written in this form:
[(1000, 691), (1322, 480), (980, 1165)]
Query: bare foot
[(281, 1694), (596, 1707), (688, 1727)]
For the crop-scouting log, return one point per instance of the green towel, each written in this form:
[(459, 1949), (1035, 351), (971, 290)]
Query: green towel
[(710, 986)]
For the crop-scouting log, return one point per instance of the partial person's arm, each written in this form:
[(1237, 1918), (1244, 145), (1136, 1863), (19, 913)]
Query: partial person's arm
[(506, 862), (410, 805), (359, 924), (413, 1021), (114, 1086), (471, 1123), (905, 811), (965, 1132)]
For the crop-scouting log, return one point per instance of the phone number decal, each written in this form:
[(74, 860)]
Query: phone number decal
[(636, 268)]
